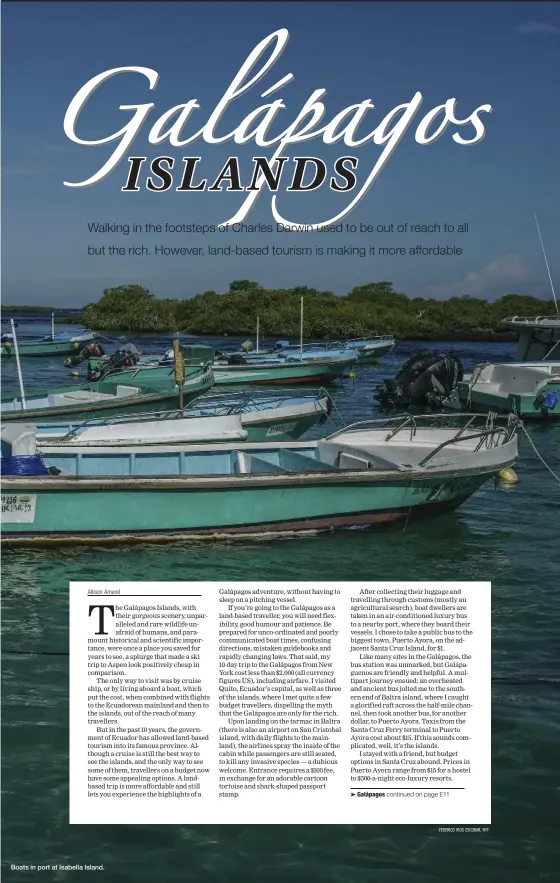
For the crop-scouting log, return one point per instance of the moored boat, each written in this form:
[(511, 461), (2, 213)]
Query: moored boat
[(268, 371), (369, 349), (364, 349), (272, 371), (128, 360), (82, 401), (530, 389), (539, 337), (374, 473), (214, 418), (52, 345), (530, 386)]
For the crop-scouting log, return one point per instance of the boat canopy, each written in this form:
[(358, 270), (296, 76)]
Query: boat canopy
[(539, 337)]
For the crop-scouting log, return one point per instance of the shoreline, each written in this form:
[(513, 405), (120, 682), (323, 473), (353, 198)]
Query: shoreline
[(454, 337)]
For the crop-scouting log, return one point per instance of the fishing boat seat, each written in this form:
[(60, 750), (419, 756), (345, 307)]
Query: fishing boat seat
[(502, 379), (347, 457), (293, 461), (123, 390), (288, 461), (59, 400), (249, 464), (19, 439)]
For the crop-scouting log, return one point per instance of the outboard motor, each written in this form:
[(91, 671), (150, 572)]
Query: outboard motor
[(424, 381), (168, 358), (120, 359), (91, 350), (130, 348)]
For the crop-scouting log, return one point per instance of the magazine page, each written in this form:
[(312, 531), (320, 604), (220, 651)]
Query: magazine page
[(280, 418)]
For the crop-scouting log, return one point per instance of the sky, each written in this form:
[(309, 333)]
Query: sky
[(503, 54)]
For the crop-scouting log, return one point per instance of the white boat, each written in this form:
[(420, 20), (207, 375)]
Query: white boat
[(375, 472), (539, 337), (530, 386), (529, 389), (371, 348), (213, 419)]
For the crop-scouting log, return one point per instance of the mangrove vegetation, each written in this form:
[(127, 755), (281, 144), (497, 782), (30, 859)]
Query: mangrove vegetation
[(374, 308)]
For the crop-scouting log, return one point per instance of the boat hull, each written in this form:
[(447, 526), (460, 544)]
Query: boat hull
[(372, 355), (134, 404), (89, 510), (289, 374), (46, 348), (523, 405), (280, 429), (286, 422)]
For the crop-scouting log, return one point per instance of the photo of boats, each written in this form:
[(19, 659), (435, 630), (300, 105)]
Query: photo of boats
[(367, 473), (280, 305), (303, 481)]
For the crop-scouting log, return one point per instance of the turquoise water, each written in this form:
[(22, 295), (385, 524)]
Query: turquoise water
[(506, 535)]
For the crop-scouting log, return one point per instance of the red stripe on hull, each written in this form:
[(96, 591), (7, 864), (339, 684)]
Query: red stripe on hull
[(327, 523)]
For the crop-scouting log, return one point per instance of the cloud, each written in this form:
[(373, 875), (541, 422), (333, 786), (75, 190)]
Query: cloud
[(498, 277), (537, 27)]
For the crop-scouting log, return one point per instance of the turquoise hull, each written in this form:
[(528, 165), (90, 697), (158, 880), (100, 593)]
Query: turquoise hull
[(523, 405), (120, 509), (281, 428), (288, 374), (357, 477), (45, 348), (148, 400)]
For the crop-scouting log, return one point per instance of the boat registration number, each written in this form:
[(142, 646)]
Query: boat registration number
[(18, 509), (279, 428)]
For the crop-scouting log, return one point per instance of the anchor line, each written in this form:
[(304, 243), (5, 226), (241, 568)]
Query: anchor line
[(549, 353), (541, 458), (476, 374), (409, 511), (339, 415), (546, 265)]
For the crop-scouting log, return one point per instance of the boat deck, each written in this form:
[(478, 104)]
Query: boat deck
[(219, 459), (521, 378), (69, 397)]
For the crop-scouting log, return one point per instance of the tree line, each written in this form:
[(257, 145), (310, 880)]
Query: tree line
[(374, 308)]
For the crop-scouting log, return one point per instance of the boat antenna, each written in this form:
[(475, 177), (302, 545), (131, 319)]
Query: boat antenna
[(258, 332), (547, 267), (52, 325), (18, 365)]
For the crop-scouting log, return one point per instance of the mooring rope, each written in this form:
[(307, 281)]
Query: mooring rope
[(543, 461)]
